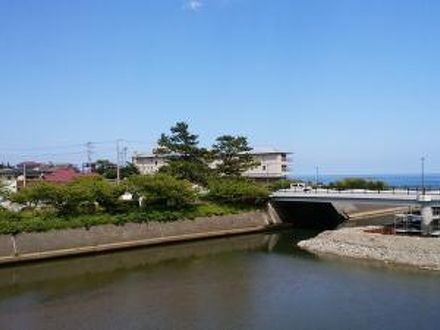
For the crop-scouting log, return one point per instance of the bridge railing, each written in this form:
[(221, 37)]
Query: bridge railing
[(391, 191)]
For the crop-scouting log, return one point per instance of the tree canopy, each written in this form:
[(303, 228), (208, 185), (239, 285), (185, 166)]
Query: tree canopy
[(232, 155), (108, 169), (237, 190), (180, 143), (162, 189), (186, 160), (86, 194)]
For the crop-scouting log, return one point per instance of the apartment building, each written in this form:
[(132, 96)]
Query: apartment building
[(273, 164), (148, 164)]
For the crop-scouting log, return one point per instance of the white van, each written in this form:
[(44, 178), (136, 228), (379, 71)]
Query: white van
[(300, 186)]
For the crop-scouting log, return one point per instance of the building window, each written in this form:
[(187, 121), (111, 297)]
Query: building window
[(284, 168), (264, 167)]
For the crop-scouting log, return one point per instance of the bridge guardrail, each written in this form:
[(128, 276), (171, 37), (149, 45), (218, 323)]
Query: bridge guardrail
[(392, 191)]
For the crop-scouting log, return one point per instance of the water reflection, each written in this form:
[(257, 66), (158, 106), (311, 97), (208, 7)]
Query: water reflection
[(85, 272), (255, 281)]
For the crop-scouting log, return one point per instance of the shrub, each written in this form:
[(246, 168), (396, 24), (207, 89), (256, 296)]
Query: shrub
[(359, 183), (197, 172), (162, 189), (237, 191)]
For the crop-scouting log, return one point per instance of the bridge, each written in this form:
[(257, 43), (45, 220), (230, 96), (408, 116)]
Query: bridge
[(423, 199)]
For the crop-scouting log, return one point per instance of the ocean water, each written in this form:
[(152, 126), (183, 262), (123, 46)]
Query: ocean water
[(432, 181)]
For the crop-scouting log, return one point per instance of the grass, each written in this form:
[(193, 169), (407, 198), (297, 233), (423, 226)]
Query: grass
[(40, 221)]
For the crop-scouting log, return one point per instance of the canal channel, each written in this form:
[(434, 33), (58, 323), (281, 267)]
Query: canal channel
[(258, 281)]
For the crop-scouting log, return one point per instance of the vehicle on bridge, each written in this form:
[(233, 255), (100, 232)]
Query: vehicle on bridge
[(300, 186)]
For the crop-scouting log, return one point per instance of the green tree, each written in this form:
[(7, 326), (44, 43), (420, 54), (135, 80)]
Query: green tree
[(129, 169), (108, 169), (84, 195), (65, 199), (162, 190), (195, 172), (232, 154), (181, 142), (100, 193), (186, 160), (41, 193)]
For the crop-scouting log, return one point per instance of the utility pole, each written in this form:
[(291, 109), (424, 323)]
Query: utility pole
[(24, 174), (125, 151), (317, 176), (423, 175), (118, 161), (89, 151)]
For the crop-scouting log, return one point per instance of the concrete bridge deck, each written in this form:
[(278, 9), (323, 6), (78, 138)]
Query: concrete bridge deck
[(387, 197), (308, 203)]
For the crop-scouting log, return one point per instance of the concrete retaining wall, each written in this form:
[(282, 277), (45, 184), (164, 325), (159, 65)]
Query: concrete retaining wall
[(33, 246)]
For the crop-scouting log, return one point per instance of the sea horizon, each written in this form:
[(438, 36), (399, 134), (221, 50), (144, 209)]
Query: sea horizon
[(410, 180)]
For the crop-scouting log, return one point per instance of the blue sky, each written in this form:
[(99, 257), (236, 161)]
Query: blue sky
[(350, 86)]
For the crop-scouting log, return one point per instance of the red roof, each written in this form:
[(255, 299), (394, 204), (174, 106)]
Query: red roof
[(63, 175)]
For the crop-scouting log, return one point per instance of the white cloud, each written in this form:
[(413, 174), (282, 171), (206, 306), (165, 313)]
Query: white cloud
[(194, 5)]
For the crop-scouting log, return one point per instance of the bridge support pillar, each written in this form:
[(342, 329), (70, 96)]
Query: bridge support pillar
[(426, 220), (274, 218), (427, 214)]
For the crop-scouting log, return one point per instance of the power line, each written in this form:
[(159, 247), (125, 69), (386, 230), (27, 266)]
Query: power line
[(88, 150), (41, 148), (64, 146), (48, 154)]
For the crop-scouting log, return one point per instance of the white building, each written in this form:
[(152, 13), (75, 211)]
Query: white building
[(273, 164), (148, 164)]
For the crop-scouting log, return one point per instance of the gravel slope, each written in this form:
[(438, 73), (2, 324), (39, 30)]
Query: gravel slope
[(420, 252)]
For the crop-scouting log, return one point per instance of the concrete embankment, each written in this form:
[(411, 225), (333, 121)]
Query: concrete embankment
[(58, 243), (34, 274), (358, 243)]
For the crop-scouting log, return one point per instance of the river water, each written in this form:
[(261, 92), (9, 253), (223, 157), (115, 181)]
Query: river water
[(259, 281)]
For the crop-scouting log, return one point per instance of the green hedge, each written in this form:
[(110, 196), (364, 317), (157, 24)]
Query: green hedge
[(239, 191), (37, 221)]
